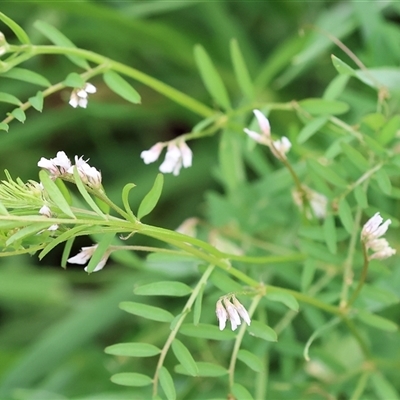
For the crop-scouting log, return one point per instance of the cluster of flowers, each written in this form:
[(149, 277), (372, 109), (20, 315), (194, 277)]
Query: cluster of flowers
[(178, 155), (371, 237), (229, 308), (79, 97), (61, 166)]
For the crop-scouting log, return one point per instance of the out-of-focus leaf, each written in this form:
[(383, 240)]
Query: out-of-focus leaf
[(326, 173), (241, 393), (133, 350), (205, 369), (206, 331), (58, 38), (74, 80), (383, 181), (311, 128), (211, 78), (121, 87), (285, 298), (9, 98), (241, 72), (355, 157), (383, 388), (19, 32), (324, 107), (361, 197), (251, 360), (376, 321), (131, 379), (345, 215), (146, 311), (184, 357), (342, 67), (164, 288), (262, 331), (336, 87), (27, 75), (330, 233)]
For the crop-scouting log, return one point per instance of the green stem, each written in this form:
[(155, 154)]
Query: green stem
[(363, 277), (174, 331), (238, 342), (160, 87)]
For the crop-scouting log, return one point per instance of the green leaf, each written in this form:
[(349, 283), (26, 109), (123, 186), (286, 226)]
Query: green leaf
[(322, 106), (146, 311), (133, 350), (184, 357), (285, 298), (131, 379), (9, 98), (206, 331), (151, 199), (19, 115), (83, 191), (167, 383), (389, 130), (121, 87), (55, 194), (3, 210), (27, 75), (58, 38), (311, 128), (164, 288), (4, 126), (307, 274), (100, 251), (211, 78), (241, 72), (361, 197), (74, 80), (27, 231), (19, 32), (330, 233), (241, 393), (345, 215), (376, 321), (197, 305), (326, 173), (251, 360), (383, 181), (336, 87), (66, 251), (383, 388), (342, 67), (375, 146), (37, 101), (224, 282), (355, 157), (262, 331), (125, 198), (205, 369)]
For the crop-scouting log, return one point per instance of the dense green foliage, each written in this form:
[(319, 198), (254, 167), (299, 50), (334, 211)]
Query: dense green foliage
[(324, 319)]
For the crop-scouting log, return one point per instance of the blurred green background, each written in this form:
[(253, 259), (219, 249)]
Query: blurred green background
[(54, 324)]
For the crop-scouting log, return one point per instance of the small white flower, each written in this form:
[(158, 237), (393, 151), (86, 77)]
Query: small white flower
[(318, 202), (222, 315), (88, 174), (79, 97), (225, 310), (84, 256), (152, 154), (45, 210), (370, 235), (56, 166), (281, 147), (176, 157)]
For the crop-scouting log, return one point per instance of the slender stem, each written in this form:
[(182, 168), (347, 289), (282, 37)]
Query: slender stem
[(166, 90), (363, 277), (238, 342), (174, 331)]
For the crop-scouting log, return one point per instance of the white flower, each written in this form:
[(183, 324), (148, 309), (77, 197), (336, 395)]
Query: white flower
[(152, 154), (88, 174), (225, 310), (176, 157), (222, 315), (279, 148), (79, 97), (45, 210), (318, 202), (56, 166), (84, 256), (370, 234), (265, 137)]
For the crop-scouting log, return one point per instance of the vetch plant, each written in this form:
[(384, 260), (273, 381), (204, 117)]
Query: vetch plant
[(282, 232)]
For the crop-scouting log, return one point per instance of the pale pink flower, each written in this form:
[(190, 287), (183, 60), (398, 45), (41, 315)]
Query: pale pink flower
[(226, 310), (152, 154), (84, 256)]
